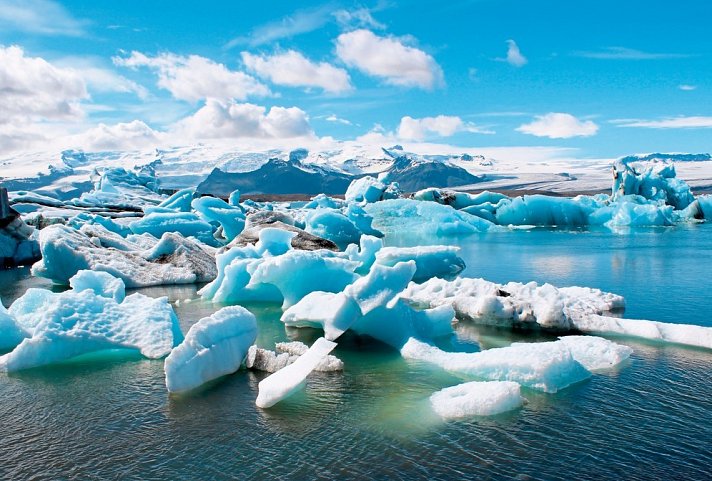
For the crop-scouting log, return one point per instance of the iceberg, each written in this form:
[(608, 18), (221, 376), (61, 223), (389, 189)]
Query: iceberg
[(170, 260), (430, 261), (100, 283), (292, 378), (230, 218), (477, 398), (544, 366), (656, 181), (424, 218), (366, 189), (513, 304), (595, 353), (187, 224), (213, 347), (66, 325)]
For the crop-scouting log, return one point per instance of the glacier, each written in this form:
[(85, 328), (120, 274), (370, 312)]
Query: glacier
[(213, 347)]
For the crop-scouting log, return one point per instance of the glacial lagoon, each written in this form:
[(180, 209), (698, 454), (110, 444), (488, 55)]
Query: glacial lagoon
[(111, 417)]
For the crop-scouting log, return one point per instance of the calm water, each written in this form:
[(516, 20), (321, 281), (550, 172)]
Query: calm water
[(649, 419)]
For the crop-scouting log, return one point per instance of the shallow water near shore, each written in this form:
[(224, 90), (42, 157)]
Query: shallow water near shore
[(112, 418)]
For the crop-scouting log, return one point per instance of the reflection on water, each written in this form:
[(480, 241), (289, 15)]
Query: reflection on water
[(112, 417)]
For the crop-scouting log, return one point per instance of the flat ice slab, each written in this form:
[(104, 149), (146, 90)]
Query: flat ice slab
[(290, 379)]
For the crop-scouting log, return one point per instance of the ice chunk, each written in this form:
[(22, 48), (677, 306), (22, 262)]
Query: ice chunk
[(331, 224), (74, 323), (513, 304), (334, 313), (477, 399), (230, 218), (381, 286), (295, 349), (287, 352), (100, 283), (656, 181), (292, 378), (424, 218), (545, 366), (596, 353), (214, 346), (185, 223), (178, 202), (173, 260), (430, 261), (366, 189)]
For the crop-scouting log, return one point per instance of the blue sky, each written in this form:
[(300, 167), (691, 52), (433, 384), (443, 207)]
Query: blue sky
[(606, 77)]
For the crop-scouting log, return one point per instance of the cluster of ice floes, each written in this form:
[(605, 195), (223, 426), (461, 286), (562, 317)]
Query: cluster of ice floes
[(94, 316), (642, 196)]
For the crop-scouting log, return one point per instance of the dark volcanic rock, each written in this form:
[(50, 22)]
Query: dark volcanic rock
[(414, 175)]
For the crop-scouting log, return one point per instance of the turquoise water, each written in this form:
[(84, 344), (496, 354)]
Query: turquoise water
[(648, 419)]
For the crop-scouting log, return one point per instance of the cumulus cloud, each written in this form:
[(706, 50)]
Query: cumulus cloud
[(442, 125), (43, 17), (514, 55), (388, 58), (556, 125), (338, 120), (293, 69), (226, 120), (121, 136), (194, 78), (691, 122), (32, 88)]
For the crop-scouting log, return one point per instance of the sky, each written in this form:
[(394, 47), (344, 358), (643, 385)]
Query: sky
[(606, 78)]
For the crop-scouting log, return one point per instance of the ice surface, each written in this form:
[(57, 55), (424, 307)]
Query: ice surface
[(424, 218), (430, 261), (381, 286), (11, 334), (335, 313), (596, 353), (230, 218), (292, 378), (172, 260), (685, 334), (656, 181), (483, 398), (544, 366), (513, 304), (72, 323), (333, 225), (187, 224), (213, 347), (100, 283), (366, 189)]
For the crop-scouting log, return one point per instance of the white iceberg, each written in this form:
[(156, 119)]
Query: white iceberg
[(100, 283), (430, 261), (70, 324), (213, 347), (11, 334), (292, 378), (477, 398), (595, 353)]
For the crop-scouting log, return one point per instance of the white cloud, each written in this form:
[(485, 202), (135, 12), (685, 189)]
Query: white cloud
[(223, 120), (338, 120), (293, 69), (99, 78), (559, 126), (194, 78), (692, 122), (514, 55), (388, 58), (442, 125), (623, 53), (687, 87), (122, 136), (33, 89), (361, 17), (44, 17)]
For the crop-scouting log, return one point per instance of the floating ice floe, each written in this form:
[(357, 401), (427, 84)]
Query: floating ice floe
[(286, 353), (513, 304), (11, 334), (213, 347), (139, 262), (62, 326), (292, 378), (544, 366), (477, 398)]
